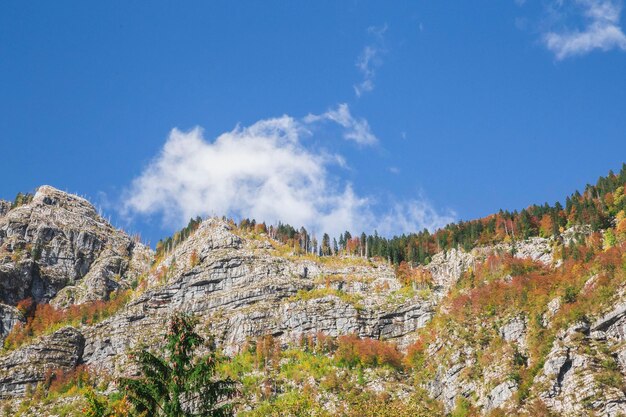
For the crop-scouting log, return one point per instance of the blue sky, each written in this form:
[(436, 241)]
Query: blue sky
[(333, 114)]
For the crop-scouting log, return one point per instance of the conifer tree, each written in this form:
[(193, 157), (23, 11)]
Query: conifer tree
[(178, 385)]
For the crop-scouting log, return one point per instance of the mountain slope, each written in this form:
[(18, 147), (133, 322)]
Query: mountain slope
[(527, 326)]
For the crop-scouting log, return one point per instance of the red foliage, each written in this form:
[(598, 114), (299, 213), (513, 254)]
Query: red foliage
[(415, 353), (409, 275), (267, 351), (45, 316), (353, 245), (60, 380), (610, 259), (352, 351), (26, 306)]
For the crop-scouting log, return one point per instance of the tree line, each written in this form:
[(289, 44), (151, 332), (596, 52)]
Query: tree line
[(597, 206)]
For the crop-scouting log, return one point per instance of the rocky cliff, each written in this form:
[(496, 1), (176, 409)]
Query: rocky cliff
[(508, 356), (57, 249)]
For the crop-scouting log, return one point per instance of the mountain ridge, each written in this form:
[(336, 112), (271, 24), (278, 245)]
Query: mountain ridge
[(521, 325)]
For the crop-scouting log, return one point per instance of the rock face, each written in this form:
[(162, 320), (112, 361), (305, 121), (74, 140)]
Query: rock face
[(446, 267), (57, 248), (9, 316), (242, 291), (241, 288), (5, 206), (28, 366), (515, 331), (574, 379)]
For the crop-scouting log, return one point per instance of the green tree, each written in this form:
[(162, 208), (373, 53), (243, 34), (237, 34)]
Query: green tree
[(179, 385), (325, 244)]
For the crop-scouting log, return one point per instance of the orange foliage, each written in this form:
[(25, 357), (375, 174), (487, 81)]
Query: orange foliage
[(194, 258), (546, 225), (267, 351), (260, 228), (46, 317), (594, 241), (415, 353), (353, 245), (26, 306), (60, 380), (353, 351), (621, 229), (409, 275), (530, 285)]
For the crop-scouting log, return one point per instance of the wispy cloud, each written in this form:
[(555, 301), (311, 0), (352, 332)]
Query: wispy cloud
[(355, 129), (600, 28), (370, 60), (265, 171), (414, 215)]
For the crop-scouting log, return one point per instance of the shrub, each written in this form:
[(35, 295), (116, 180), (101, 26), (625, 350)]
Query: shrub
[(44, 318), (353, 351)]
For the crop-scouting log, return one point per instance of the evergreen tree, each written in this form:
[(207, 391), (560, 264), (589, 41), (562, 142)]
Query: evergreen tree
[(325, 249), (178, 385)]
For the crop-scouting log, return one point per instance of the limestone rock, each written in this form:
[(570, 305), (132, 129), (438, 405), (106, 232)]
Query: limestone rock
[(5, 206), (240, 290), (58, 240), (535, 248), (553, 307), (9, 316), (500, 395), (446, 267), (569, 383), (28, 365), (515, 331)]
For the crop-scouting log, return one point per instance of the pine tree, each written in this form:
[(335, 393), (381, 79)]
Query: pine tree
[(325, 245), (178, 385)]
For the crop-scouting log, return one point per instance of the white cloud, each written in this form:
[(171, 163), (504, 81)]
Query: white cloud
[(413, 215), (370, 60), (357, 130), (601, 29), (264, 171)]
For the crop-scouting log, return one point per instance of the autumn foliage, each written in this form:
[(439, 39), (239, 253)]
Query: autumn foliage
[(353, 351), (418, 276), (60, 380), (44, 318)]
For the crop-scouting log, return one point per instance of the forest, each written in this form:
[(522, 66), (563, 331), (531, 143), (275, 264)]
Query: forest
[(598, 205)]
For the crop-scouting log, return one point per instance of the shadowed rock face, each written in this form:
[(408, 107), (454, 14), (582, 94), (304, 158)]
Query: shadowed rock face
[(62, 350), (57, 242)]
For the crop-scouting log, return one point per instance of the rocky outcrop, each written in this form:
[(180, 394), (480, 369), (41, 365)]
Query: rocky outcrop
[(577, 378), (576, 233), (57, 248), (241, 291), (9, 316), (515, 332), (536, 248), (5, 206), (456, 375), (28, 366), (446, 267)]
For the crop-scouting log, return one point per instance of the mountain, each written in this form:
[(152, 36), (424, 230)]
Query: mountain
[(525, 318)]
